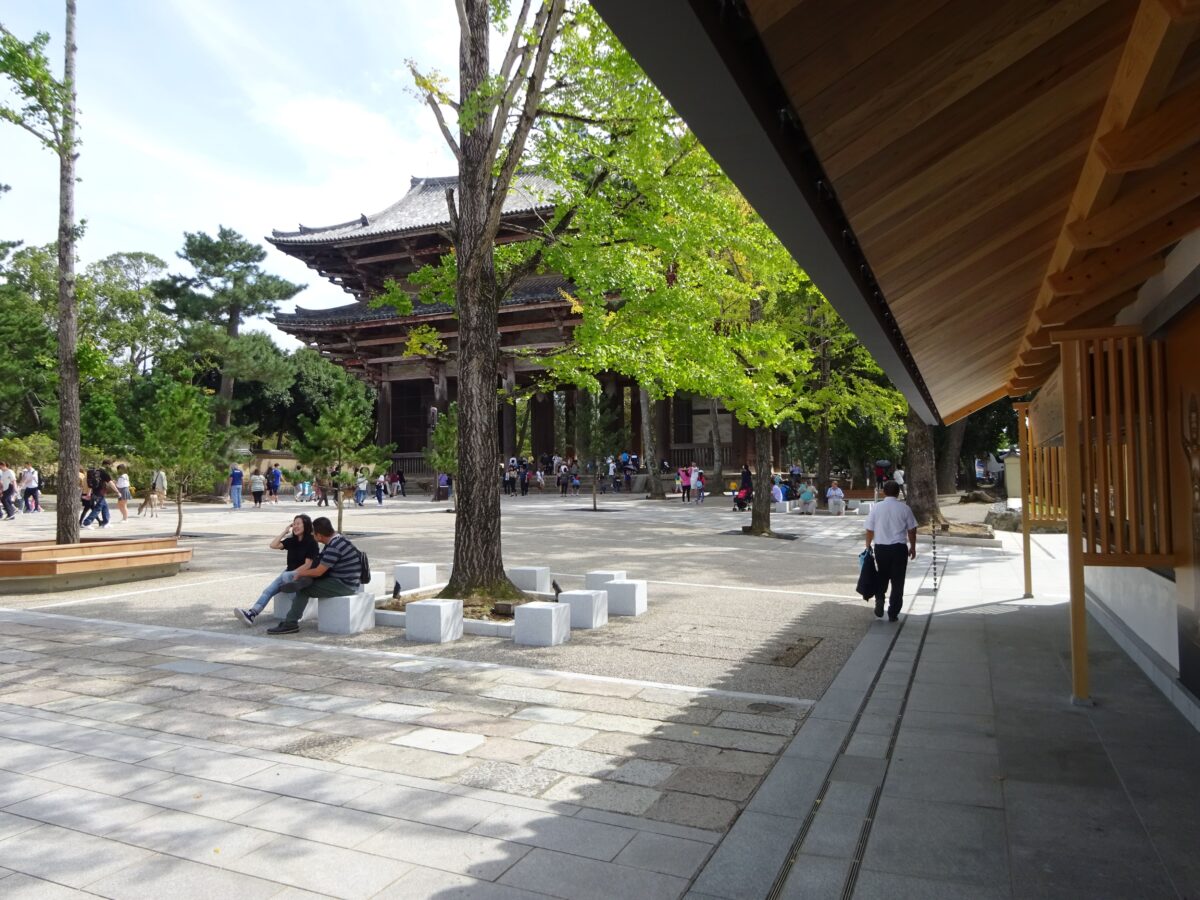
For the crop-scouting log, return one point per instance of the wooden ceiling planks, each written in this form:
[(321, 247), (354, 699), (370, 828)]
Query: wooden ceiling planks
[(961, 140)]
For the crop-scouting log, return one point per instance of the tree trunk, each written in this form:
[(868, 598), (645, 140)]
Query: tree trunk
[(523, 428), (595, 481), (178, 510), (478, 561), (823, 461), (948, 451), (920, 479), (68, 504), (225, 391), (760, 509), (650, 446), (337, 497), (714, 480)]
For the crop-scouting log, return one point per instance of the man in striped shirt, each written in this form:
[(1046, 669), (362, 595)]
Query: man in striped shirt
[(335, 573)]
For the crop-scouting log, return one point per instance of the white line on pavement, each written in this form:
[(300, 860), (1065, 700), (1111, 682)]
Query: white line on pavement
[(172, 586), (736, 587)]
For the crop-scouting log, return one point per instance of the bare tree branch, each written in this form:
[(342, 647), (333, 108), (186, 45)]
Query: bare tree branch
[(52, 141), (508, 98), (516, 146), (464, 27), (453, 212), (441, 121)]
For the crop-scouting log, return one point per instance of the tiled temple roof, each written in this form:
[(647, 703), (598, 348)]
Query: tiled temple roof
[(421, 209), (539, 288)]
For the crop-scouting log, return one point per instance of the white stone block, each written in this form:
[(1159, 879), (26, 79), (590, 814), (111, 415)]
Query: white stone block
[(433, 621), (415, 575), (864, 508), (346, 615), (378, 584), (626, 598), (780, 507), (530, 578), (595, 581), (589, 609), (283, 602), (541, 624)]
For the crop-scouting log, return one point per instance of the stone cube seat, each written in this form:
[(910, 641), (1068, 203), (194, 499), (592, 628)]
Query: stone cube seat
[(412, 575), (589, 609), (345, 615), (283, 602), (595, 581), (433, 621), (626, 597), (530, 578), (541, 624), (864, 508)]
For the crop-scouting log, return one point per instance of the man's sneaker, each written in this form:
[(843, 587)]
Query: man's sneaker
[(879, 609), (245, 616), (284, 628)]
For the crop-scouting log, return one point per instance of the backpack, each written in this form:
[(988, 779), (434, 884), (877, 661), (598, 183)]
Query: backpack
[(364, 570), (94, 482)]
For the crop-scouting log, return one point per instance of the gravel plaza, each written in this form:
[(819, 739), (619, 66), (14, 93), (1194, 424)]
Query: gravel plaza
[(756, 731)]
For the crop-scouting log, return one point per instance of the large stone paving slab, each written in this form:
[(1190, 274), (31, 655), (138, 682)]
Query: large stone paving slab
[(614, 746)]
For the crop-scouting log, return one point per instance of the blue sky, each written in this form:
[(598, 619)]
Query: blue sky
[(254, 115)]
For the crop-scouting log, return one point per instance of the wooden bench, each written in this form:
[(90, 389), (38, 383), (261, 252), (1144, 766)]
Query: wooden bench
[(36, 567)]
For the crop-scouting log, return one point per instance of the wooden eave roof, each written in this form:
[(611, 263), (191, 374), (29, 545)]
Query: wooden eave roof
[(997, 169)]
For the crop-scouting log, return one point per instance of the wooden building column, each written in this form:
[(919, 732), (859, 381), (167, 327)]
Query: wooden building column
[(635, 422), (383, 418), (508, 410), (541, 425), (570, 419), (441, 387), (1023, 443)]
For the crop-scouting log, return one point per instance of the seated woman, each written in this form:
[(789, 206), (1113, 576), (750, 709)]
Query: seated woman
[(297, 539), (808, 500), (776, 493)]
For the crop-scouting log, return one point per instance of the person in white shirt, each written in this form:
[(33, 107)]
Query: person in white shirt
[(30, 488), (8, 481), (888, 524), (898, 477)]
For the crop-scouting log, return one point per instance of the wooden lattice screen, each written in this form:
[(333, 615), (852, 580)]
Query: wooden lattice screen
[(1115, 454)]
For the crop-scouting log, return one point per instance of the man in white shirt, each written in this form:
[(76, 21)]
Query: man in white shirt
[(898, 477), (8, 482), (888, 522)]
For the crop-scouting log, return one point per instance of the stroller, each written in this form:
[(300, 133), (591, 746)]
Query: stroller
[(304, 492), (741, 500)]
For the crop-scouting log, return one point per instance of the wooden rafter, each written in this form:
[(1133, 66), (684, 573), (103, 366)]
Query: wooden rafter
[(985, 400), (1067, 307), (1175, 126), (1174, 184), (1157, 42)]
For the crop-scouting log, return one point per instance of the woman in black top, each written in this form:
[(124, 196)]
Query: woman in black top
[(297, 539)]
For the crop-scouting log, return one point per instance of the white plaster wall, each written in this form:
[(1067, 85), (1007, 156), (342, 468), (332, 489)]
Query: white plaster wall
[(1144, 601)]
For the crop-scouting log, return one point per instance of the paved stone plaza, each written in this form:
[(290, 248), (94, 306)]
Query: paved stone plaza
[(756, 733)]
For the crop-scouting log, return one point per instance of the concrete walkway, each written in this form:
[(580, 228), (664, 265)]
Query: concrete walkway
[(945, 761)]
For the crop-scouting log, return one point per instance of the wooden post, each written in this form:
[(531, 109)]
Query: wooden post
[(1073, 415), (1026, 473)]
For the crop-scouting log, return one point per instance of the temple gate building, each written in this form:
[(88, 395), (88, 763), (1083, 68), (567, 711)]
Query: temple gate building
[(361, 255)]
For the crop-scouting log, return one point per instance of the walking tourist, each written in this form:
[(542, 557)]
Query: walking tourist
[(685, 483), (124, 494), (31, 483), (98, 483), (8, 488), (898, 477), (400, 482), (302, 550), (236, 477), (258, 486), (888, 524), (336, 573), (274, 480), (699, 482)]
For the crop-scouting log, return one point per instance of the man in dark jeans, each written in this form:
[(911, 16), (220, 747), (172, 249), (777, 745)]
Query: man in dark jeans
[(336, 573), (888, 524), (98, 482)]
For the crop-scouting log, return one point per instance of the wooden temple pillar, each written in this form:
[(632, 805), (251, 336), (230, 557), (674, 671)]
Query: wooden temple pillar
[(383, 418), (508, 410), (541, 425), (635, 421), (570, 420), (441, 386)]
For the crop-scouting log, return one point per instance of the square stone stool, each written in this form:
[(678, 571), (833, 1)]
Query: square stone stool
[(589, 609), (433, 621), (541, 624), (283, 602), (626, 598), (378, 584), (596, 581), (530, 578), (346, 615), (412, 575)]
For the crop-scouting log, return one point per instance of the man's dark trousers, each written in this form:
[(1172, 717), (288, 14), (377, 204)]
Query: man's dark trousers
[(892, 562)]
